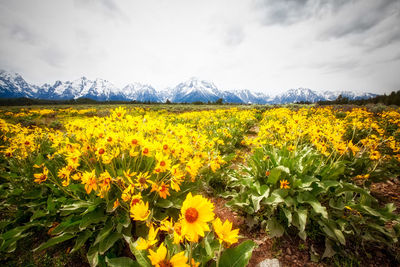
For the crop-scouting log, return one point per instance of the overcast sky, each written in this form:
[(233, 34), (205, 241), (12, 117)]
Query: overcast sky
[(266, 46)]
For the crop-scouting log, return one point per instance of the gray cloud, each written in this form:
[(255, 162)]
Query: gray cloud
[(361, 17), (286, 12), (53, 56), (109, 8), (22, 34), (234, 36), (342, 65)]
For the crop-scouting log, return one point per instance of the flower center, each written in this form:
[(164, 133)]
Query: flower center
[(165, 263), (134, 142), (191, 215), (134, 201), (142, 180), (101, 151), (162, 163)]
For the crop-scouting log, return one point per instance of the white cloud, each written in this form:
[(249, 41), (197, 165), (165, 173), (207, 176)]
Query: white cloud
[(261, 45)]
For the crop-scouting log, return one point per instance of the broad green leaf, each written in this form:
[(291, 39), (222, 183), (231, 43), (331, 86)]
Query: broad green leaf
[(51, 205), (339, 235), (275, 174), (109, 242), (93, 255), (55, 240), (38, 214), (13, 233), (92, 217), (104, 232), (238, 256), (164, 203), (302, 213), (76, 206), (288, 215), (306, 197), (140, 255), (121, 262), (124, 219), (329, 251), (275, 198), (80, 241), (62, 227), (275, 229)]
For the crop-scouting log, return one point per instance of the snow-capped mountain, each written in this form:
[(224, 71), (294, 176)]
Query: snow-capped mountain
[(140, 92), (195, 90), (98, 89), (297, 95), (252, 97), (12, 85)]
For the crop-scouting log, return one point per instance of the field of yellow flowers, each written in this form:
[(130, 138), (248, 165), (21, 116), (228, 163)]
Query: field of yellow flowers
[(107, 180)]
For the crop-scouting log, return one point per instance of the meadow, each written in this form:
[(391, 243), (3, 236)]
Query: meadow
[(193, 185)]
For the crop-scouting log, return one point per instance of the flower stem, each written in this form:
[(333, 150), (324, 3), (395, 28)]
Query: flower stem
[(219, 253)]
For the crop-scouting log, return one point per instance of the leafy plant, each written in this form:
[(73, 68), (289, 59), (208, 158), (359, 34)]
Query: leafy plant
[(282, 189)]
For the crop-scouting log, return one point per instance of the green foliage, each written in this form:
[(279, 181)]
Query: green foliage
[(317, 199)]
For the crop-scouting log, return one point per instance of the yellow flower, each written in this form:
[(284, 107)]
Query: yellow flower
[(140, 211), (224, 231), (142, 180), (162, 190), (178, 237), (167, 225), (375, 155), (151, 240), (116, 204), (89, 179), (284, 184), (196, 212), (159, 258), (41, 177)]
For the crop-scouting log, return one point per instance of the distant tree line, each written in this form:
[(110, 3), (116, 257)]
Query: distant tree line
[(392, 99), (23, 101)]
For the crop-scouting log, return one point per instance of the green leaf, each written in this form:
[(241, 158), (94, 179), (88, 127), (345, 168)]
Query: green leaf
[(164, 203), (140, 255), (121, 262), (275, 198), (288, 215), (51, 205), (109, 242), (77, 205), (14, 233), (39, 214), (64, 226), (275, 174), (92, 217), (104, 232), (93, 255), (80, 241), (302, 213), (238, 256), (329, 251), (55, 240), (275, 229), (306, 197)]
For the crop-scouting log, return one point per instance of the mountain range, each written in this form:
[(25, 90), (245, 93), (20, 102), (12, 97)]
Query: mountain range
[(12, 85)]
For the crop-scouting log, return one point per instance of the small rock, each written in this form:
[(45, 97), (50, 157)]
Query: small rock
[(288, 251), (269, 263)]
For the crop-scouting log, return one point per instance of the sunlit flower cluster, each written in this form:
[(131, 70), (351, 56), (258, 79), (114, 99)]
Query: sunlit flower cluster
[(332, 132)]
